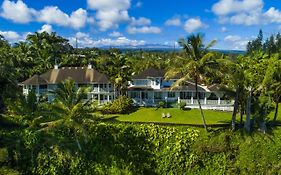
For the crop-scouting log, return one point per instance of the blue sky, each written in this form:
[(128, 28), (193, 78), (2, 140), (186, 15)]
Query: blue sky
[(137, 23)]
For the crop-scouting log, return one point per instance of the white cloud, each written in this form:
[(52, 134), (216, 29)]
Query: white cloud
[(232, 38), (140, 21), (193, 24), (84, 40), (91, 20), (223, 29), (273, 15), (143, 30), (18, 11), (226, 7), (46, 28), (139, 4), (53, 15), (245, 12), (175, 21), (236, 42), (240, 12), (110, 12), (10, 35), (115, 34), (109, 4), (79, 18)]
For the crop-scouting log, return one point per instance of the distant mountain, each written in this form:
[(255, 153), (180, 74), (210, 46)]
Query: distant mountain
[(230, 51), (167, 48)]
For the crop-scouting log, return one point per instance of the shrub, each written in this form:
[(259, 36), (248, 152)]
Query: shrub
[(122, 105), (161, 104), (182, 105)]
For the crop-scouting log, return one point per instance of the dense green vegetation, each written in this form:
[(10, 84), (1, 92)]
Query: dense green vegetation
[(140, 149), (67, 136)]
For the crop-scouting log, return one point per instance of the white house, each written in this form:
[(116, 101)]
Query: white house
[(102, 89), (147, 88)]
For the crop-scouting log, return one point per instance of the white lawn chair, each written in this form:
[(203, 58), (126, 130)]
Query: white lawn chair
[(168, 115)]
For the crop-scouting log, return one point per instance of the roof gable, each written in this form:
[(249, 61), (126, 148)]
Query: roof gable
[(150, 72), (78, 74)]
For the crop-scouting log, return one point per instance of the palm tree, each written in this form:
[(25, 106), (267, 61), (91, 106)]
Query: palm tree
[(28, 109), (7, 73), (272, 81), (118, 67), (254, 70), (71, 108), (197, 63)]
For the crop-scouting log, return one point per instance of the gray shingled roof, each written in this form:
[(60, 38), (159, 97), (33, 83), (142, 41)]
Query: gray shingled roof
[(216, 87), (35, 80), (78, 74), (150, 72)]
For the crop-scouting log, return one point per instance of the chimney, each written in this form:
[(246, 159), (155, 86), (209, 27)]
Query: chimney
[(56, 64), (90, 66)]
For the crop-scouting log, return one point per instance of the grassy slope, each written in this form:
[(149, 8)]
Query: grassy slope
[(178, 116)]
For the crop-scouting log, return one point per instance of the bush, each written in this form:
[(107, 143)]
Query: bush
[(182, 105), (162, 104), (122, 105)]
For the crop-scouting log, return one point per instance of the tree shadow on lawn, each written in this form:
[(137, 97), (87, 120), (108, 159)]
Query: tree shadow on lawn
[(109, 119)]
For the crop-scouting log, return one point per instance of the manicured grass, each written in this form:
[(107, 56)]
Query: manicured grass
[(177, 116), (154, 115)]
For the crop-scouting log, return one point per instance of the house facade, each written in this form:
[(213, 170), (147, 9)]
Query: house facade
[(102, 89), (147, 88)]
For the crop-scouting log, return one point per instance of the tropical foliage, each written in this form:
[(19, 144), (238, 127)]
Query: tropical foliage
[(65, 136)]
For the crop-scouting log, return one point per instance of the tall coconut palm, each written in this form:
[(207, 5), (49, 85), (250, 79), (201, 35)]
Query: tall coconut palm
[(254, 71), (118, 67), (234, 79), (272, 81), (7, 74), (70, 108), (197, 62)]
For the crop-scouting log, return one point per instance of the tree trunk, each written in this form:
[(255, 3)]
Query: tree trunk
[(78, 143), (248, 113), (276, 111), (241, 114), (233, 120), (200, 108), (2, 106), (32, 158)]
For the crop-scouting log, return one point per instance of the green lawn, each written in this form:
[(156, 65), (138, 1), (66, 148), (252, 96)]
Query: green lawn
[(177, 116), (154, 115)]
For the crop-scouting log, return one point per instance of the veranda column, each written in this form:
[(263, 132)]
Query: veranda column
[(38, 92), (191, 98), (219, 95), (207, 95), (140, 98), (108, 92), (99, 98), (153, 101)]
